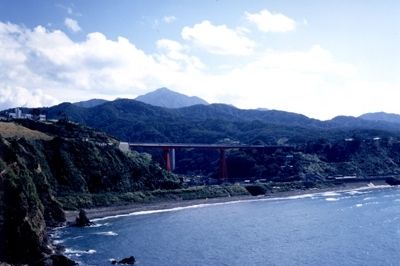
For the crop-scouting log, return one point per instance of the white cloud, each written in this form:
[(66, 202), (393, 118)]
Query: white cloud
[(218, 39), (72, 25), (22, 97), (267, 21), (38, 60), (169, 19), (42, 67), (175, 55)]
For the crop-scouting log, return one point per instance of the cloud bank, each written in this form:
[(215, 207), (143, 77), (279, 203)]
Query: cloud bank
[(218, 39), (41, 67)]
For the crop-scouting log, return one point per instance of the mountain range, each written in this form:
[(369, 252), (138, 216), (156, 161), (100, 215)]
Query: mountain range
[(340, 146), (132, 120)]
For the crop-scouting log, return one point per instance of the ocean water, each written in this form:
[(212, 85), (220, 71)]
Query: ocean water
[(356, 227)]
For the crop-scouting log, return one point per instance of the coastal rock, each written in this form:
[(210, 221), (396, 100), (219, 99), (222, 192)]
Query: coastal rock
[(61, 260), (82, 219), (392, 181), (58, 260), (128, 261)]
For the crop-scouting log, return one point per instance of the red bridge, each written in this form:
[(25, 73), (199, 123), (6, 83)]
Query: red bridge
[(169, 151)]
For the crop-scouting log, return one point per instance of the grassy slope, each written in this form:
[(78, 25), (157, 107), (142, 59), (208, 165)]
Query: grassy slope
[(11, 130)]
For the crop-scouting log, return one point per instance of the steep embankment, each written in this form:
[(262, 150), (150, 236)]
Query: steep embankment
[(24, 192), (35, 171)]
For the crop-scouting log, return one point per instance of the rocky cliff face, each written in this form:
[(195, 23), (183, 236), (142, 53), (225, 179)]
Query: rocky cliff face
[(34, 172), (27, 202)]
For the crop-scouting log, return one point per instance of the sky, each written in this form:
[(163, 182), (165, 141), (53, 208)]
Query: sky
[(317, 58)]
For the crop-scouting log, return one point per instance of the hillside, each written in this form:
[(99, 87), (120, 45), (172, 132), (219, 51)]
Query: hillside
[(381, 116), (167, 98), (90, 103), (12, 130), (131, 120), (39, 177)]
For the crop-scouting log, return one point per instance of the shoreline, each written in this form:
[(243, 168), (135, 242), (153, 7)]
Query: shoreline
[(102, 213)]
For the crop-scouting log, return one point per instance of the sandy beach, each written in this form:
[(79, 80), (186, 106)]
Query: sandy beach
[(95, 213)]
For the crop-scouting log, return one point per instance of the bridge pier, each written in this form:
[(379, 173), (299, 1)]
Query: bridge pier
[(169, 151), (223, 171), (169, 158)]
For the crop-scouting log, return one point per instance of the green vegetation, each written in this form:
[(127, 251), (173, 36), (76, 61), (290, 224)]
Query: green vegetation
[(76, 201), (321, 149), (35, 171)]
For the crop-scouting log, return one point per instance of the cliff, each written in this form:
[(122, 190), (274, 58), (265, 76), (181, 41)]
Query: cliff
[(36, 170)]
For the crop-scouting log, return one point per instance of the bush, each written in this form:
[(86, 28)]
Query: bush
[(256, 190)]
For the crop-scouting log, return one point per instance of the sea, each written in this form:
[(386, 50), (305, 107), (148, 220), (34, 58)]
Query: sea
[(350, 227)]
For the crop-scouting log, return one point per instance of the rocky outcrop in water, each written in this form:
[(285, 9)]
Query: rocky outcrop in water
[(82, 220), (127, 261)]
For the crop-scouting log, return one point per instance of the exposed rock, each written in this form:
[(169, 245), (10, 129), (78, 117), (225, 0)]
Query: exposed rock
[(82, 219), (57, 260), (61, 260), (129, 261), (392, 181)]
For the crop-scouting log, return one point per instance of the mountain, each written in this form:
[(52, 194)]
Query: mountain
[(381, 116), (167, 98), (131, 120), (135, 121), (90, 103), (341, 146)]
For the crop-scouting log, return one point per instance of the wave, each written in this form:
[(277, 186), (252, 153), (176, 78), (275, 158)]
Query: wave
[(331, 199), (99, 225), (57, 242), (328, 194), (108, 233), (78, 252)]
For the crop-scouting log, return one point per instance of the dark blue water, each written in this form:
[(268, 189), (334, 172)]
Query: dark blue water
[(345, 228)]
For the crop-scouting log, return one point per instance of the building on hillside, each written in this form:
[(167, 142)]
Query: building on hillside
[(18, 114)]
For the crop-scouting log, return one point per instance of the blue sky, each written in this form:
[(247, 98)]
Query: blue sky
[(319, 58)]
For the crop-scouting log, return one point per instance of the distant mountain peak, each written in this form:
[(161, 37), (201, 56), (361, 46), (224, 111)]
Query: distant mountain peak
[(381, 116), (90, 103), (165, 97)]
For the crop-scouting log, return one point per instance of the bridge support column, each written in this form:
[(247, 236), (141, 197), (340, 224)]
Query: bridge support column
[(223, 171), (172, 159), (167, 159)]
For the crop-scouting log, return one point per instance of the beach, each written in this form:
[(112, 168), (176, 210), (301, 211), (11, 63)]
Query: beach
[(123, 210)]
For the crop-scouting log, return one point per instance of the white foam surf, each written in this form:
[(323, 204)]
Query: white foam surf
[(77, 251), (330, 194), (330, 197), (108, 233)]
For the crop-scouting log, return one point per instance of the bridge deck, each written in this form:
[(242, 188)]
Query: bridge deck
[(206, 146)]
